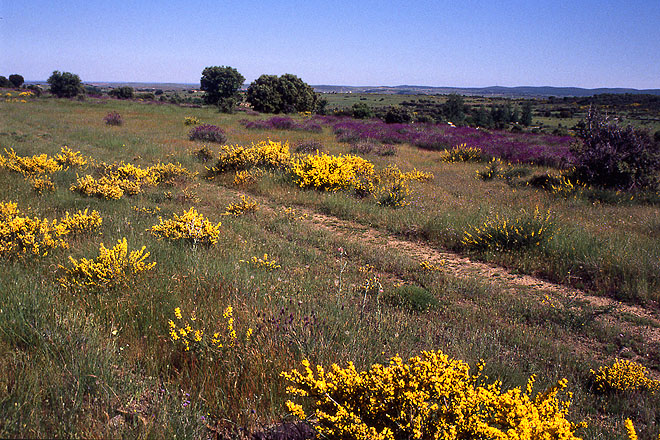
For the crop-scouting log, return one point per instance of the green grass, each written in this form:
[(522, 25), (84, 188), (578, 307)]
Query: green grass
[(101, 364)]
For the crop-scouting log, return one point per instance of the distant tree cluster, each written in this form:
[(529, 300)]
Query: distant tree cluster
[(14, 81)]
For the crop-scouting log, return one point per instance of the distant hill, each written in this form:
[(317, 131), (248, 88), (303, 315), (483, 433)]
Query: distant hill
[(509, 92)]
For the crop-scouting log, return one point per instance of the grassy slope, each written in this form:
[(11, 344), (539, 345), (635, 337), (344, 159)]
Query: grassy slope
[(100, 364)]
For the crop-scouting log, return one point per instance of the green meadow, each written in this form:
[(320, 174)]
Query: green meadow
[(326, 276)]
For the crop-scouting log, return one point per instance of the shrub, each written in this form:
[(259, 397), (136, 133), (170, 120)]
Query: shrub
[(429, 397), (262, 263), (65, 85), (190, 120), (624, 375), (29, 166), (463, 153), (20, 236), (398, 115), (191, 227), (122, 92), (501, 233), (190, 335), (265, 154), (362, 110), (208, 133), (112, 268), (113, 118), (245, 206), (69, 158), (204, 154), (613, 157), (332, 173), (413, 298)]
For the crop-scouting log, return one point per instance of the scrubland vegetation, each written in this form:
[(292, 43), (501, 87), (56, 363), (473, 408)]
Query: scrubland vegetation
[(189, 273)]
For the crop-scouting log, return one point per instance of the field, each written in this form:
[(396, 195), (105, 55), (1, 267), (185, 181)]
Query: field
[(328, 276)]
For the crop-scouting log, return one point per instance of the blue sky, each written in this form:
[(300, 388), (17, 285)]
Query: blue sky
[(465, 43)]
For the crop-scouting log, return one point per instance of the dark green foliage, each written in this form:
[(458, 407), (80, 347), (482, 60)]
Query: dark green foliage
[(286, 94), (122, 92), (221, 84), (65, 84), (398, 115), (4, 82), (454, 109), (148, 96), (362, 111), (412, 298), (526, 117), (610, 156), (16, 80)]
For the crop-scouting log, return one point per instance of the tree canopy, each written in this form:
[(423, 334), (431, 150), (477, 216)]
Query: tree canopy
[(221, 84), (284, 94), (65, 84)]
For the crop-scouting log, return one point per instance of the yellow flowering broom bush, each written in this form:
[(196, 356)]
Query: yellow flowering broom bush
[(327, 172), (264, 154), (20, 235), (191, 226), (624, 375), (125, 178), (245, 206), (69, 158), (462, 153), (502, 233), (429, 397), (265, 262), (189, 334), (111, 268), (29, 166)]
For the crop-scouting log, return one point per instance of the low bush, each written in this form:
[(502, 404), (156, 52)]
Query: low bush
[(207, 133), (113, 118), (412, 298), (429, 397), (265, 154), (112, 268), (190, 226), (624, 375), (525, 230), (614, 157)]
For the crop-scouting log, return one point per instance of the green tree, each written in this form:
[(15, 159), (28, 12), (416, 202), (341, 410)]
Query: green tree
[(526, 116), (454, 109), (221, 84), (4, 82), (286, 94), (16, 80), (65, 85)]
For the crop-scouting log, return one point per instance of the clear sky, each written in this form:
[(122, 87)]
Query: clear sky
[(464, 43)]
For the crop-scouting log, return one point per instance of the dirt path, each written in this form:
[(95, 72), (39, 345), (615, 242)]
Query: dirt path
[(647, 324), (635, 319)]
